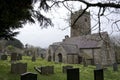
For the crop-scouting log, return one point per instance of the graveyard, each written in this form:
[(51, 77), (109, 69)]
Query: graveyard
[(85, 73)]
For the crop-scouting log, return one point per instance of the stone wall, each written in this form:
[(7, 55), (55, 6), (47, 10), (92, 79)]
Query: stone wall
[(61, 51), (72, 59)]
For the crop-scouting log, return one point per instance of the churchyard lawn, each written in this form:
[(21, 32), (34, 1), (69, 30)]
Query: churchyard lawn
[(86, 73)]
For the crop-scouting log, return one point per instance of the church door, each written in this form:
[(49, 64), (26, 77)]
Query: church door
[(60, 57)]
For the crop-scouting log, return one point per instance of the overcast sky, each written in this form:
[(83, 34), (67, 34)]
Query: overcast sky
[(32, 34)]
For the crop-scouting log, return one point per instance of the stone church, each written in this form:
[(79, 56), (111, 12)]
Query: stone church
[(82, 46)]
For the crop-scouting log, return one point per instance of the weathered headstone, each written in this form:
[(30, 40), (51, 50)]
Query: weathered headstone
[(38, 69), (47, 70), (85, 63), (98, 66), (33, 58), (64, 69), (28, 76), (115, 67), (19, 57), (98, 74), (18, 68), (13, 56), (3, 57), (44, 70), (51, 69), (73, 74)]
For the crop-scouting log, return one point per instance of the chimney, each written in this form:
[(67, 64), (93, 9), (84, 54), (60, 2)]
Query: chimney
[(66, 37)]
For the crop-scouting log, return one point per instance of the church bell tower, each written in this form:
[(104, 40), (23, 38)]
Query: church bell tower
[(83, 24)]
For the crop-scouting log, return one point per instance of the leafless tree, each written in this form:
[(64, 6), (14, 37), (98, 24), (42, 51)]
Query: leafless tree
[(104, 9)]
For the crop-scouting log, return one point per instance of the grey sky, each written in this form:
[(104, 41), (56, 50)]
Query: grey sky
[(34, 35)]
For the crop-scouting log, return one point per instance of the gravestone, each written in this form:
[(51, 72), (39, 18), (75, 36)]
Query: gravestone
[(50, 69), (13, 56), (115, 67), (33, 58), (85, 63), (38, 69), (18, 68), (98, 66), (47, 70), (73, 74), (44, 70), (64, 68), (98, 74), (3, 57), (28, 76), (19, 57)]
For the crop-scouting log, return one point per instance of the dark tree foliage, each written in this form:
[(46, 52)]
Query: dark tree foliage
[(14, 42), (15, 13)]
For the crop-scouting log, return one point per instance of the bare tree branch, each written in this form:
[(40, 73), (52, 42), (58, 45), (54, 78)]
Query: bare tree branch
[(79, 16)]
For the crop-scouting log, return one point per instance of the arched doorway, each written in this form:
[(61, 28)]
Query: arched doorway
[(60, 57)]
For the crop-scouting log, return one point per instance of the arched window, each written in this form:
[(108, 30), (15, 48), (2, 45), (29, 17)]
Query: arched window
[(60, 57)]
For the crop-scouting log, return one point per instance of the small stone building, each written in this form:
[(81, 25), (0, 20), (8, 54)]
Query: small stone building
[(82, 46)]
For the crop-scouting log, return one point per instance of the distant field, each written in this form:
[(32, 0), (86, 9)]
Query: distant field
[(86, 73)]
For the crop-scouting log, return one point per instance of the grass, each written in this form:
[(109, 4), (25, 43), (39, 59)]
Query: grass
[(86, 73)]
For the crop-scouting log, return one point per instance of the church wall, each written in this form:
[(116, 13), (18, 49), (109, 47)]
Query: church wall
[(97, 56), (50, 52), (60, 50), (107, 54), (72, 59)]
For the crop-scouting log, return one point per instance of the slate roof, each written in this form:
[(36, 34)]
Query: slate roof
[(70, 48), (87, 41), (54, 47)]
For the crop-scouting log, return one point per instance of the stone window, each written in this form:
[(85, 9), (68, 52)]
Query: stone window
[(85, 19)]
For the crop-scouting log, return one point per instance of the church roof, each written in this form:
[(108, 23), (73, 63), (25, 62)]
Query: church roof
[(70, 48), (88, 41), (54, 47)]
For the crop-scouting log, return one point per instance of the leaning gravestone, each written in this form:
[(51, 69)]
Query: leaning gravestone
[(28, 76), (73, 74), (98, 74), (64, 68), (3, 57), (13, 56), (18, 68), (115, 67)]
